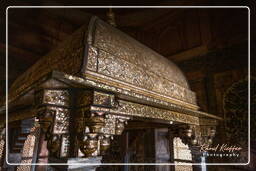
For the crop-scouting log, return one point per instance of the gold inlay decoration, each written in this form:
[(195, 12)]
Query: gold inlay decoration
[(100, 48)]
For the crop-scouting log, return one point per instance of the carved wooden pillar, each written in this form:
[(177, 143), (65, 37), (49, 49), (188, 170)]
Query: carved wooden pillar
[(76, 122), (53, 107), (89, 126), (95, 125)]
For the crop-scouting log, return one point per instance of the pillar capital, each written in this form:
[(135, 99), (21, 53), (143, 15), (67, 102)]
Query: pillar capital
[(69, 118)]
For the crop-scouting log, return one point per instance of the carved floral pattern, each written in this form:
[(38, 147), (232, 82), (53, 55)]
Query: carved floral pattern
[(139, 110), (115, 67), (57, 97)]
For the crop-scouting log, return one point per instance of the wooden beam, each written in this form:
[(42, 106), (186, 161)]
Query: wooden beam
[(188, 54), (25, 55)]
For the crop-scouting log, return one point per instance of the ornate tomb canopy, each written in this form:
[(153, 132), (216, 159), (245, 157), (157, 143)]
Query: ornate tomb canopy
[(97, 80)]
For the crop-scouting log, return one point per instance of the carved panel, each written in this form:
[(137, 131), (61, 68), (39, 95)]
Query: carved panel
[(181, 151), (92, 62), (117, 124), (52, 97), (103, 99), (115, 67), (139, 110), (61, 121), (110, 123), (126, 59), (95, 80), (56, 97), (116, 42)]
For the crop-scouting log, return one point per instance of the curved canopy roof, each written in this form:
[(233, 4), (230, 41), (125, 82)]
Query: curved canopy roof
[(100, 52)]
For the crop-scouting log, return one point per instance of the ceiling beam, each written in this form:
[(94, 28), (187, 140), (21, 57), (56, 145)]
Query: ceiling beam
[(188, 54), (25, 55)]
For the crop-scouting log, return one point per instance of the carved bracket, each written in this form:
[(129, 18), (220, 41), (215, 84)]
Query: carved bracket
[(94, 128), (97, 130)]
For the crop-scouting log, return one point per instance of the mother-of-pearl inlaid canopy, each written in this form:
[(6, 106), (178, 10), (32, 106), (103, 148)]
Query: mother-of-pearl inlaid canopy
[(102, 53), (92, 84)]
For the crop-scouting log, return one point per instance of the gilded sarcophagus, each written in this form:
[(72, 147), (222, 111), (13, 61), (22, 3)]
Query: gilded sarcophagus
[(86, 90), (103, 54)]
